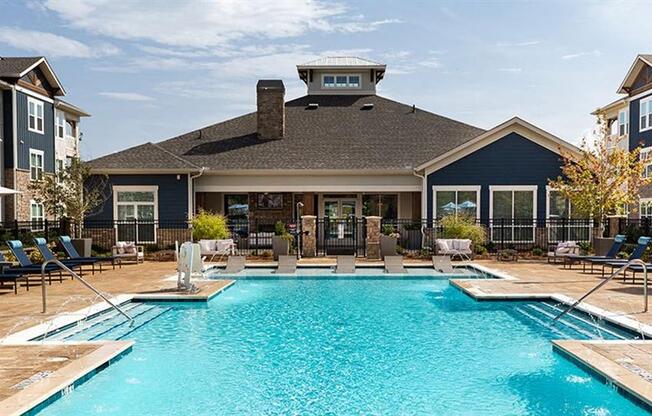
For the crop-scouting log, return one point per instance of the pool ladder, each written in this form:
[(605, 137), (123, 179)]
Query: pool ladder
[(84, 282), (607, 280)]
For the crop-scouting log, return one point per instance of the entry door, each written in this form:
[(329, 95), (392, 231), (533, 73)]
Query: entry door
[(339, 208)]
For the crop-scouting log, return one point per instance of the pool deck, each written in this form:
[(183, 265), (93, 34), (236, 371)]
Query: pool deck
[(627, 363)]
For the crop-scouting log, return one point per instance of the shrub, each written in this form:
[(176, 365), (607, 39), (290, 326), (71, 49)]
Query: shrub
[(464, 228), (209, 226), (537, 251), (480, 250), (281, 230)]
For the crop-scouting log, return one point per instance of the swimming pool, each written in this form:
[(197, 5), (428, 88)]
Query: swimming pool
[(345, 346)]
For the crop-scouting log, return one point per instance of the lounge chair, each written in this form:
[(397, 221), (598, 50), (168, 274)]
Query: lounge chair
[(619, 240), (14, 278), (562, 250), (286, 265), (47, 254), (345, 265), (73, 254), (26, 267), (394, 264), (442, 264), (234, 264), (643, 242)]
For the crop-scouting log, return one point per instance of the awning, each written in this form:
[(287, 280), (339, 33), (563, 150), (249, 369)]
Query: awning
[(7, 191)]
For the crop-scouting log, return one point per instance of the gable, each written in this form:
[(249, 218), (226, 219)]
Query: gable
[(36, 81), (643, 79), (638, 76)]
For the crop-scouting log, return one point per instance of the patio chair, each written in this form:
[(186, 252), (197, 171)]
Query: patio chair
[(14, 278), (73, 254), (47, 254), (394, 264), (128, 251), (234, 264), (562, 250), (442, 264), (571, 259), (286, 265), (345, 264), (642, 244), (218, 248), (454, 247), (26, 267)]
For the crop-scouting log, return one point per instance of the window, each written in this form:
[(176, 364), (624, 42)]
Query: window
[(512, 211), (136, 211), (35, 115), (563, 224), (70, 129), (60, 125), (623, 122), (341, 81), (646, 208), (645, 114), (236, 206), (59, 165), (36, 215), (381, 205), (35, 164), (646, 156), (456, 200)]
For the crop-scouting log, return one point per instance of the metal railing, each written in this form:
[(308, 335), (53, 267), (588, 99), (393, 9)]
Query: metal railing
[(607, 280), (84, 282)]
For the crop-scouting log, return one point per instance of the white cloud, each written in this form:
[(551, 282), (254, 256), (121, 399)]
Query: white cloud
[(518, 44), (208, 24), (44, 43), (511, 70), (126, 96), (594, 52)]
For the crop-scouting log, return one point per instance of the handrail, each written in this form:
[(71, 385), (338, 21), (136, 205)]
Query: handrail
[(607, 280), (84, 282)]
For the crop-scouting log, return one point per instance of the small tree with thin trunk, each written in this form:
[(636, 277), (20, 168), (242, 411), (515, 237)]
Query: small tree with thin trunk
[(73, 192), (604, 179)]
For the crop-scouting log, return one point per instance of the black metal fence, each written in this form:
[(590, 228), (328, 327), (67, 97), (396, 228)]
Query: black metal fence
[(632, 228), (518, 234), (256, 236), (337, 236)]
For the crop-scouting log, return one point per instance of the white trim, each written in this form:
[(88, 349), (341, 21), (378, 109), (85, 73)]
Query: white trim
[(34, 94), (309, 188), (31, 217), (648, 114), (335, 75), (642, 201), (513, 125), (135, 188), (630, 72), (532, 188), (38, 153), (640, 95), (37, 104), (457, 188), (52, 79)]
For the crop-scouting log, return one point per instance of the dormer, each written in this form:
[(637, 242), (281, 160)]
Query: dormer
[(639, 76), (341, 75)]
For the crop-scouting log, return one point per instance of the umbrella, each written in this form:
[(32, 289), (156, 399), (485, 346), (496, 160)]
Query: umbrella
[(7, 191), (449, 207), (467, 204)]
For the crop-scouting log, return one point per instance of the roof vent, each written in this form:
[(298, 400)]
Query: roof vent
[(367, 106), (312, 106)]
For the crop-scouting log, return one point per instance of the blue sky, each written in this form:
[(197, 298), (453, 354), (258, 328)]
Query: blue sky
[(149, 70)]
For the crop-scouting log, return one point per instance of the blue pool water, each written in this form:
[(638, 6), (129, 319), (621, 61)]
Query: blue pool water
[(344, 347)]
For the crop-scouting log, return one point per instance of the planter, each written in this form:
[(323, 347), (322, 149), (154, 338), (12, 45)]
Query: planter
[(280, 246), (83, 246), (387, 246), (602, 245)]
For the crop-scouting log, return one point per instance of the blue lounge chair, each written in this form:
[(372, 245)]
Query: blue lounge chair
[(571, 259), (29, 269), (47, 254), (643, 242), (73, 254), (14, 278)]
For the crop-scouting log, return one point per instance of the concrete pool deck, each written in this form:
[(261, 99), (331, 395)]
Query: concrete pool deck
[(617, 361)]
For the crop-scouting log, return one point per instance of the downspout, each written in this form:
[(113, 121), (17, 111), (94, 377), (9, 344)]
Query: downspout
[(424, 194), (191, 191), (14, 109)]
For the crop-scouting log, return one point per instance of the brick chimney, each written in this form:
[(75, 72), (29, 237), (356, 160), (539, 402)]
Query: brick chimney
[(270, 101)]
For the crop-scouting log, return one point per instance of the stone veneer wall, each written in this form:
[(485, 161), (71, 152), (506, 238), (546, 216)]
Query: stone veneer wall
[(22, 200)]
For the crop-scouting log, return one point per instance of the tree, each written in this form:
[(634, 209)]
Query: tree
[(604, 179), (72, 192)]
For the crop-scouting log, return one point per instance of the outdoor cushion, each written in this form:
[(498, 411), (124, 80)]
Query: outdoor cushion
[(120, 245), (442, 245), (207, 246), (224, 245), (462, 245)]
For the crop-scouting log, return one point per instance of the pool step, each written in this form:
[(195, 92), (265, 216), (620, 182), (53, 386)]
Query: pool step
[(574, 325), (111, 325)]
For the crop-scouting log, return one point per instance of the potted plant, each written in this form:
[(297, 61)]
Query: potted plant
[(72, 193), (281, 240), (388, 240), (602, 181)]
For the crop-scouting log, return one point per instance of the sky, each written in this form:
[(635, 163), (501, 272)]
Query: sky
[(148, 70)]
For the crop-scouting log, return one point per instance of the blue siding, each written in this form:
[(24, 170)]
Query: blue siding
[(8, 129), (172, 195), (635, 136), (28, 139), (511, 160)]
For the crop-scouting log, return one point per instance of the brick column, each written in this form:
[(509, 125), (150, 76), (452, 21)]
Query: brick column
[(373, 238), (309, 236)]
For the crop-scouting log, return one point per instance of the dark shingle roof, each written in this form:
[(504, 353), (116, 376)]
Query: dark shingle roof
[(144, 156), (339, 134), (11, 67)]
